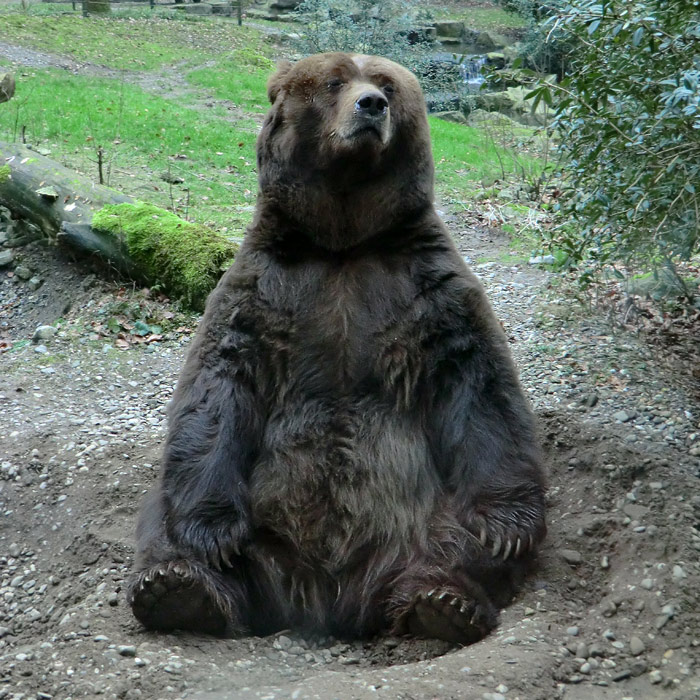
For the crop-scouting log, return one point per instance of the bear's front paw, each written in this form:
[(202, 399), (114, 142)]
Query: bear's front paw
[(506, 531), (213, 541)]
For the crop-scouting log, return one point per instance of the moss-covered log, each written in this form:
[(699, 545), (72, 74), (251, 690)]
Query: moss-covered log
[(138, 240), (185, 258)]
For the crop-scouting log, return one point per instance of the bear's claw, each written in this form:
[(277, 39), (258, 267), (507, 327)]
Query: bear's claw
[(180, 596), (440, 614)]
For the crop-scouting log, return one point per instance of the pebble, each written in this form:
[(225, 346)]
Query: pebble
[(678, 572), (6, 257), (647, 584), (126, 650), (23, 272), (571, 556), (655, 677), (637, 646), (572, 631), (44, 333)]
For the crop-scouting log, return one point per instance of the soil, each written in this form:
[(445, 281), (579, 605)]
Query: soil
[(613, 611)]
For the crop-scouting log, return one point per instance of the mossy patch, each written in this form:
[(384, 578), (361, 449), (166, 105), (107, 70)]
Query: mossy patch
[(4, 173), (186, 259)]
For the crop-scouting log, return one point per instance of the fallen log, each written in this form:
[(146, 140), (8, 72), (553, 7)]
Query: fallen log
[(46, 193), (135, 239)]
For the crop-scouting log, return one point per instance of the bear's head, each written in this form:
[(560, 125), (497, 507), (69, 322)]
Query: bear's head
[(344, 152)]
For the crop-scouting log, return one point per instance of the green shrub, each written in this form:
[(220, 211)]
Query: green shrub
[(629, 119)]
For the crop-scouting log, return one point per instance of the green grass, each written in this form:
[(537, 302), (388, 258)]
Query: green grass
[(493, 19), (466, 156), (240, 77), (142, 135), (124, 42)]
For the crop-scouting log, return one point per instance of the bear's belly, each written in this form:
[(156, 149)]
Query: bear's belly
[(340, 477)]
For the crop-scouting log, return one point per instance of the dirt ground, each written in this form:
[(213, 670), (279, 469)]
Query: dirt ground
[(612, 612)]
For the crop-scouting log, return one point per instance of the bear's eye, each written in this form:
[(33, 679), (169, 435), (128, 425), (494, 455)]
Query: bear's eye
[(388, 90), (335, 84)]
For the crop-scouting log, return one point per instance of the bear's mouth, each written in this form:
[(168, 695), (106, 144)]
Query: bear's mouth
[(367, 130)]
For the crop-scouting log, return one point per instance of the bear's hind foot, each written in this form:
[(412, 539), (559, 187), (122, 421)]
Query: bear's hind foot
[(184, 596), (439, 614)]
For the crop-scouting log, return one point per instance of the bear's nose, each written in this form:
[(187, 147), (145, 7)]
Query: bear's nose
[(372, 104)]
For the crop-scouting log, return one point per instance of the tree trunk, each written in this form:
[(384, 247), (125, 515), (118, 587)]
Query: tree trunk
[(46, 193)]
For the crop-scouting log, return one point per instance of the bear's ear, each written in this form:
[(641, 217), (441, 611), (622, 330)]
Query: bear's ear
[(276, 81)]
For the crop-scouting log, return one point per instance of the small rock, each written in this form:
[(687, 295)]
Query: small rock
[(23, 272), (638, 667), (126, 650), (44, 333), (6, 257), (572, 631), (655, 677), (637, 646), (571, 556), (41, 349), (34, 283), (542, 260), (622, 675), (621, 416), (635, 511), (590, 400), (678, 573), (647, 584)]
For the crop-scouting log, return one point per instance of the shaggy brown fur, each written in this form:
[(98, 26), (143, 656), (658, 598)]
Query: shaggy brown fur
[(349, 449)]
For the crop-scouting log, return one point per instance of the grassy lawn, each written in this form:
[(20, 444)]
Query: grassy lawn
[(488, 18), (148, 135), (240, 77), (135, 41), (142, 135)]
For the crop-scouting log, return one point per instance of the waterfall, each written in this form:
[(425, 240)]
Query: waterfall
[(470, 68)]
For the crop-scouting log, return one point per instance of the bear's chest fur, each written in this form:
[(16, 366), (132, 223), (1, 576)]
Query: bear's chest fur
[(344, 341)]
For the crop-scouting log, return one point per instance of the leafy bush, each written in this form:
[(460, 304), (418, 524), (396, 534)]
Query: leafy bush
[(544, 49), (629, 120)]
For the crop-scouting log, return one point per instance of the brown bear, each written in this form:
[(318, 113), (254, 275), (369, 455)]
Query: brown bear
[(349, 449)]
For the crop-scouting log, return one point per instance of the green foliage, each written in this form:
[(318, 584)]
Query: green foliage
[(186, 259), (4, 173), (544, 48), (629, 119)]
